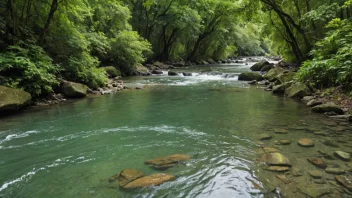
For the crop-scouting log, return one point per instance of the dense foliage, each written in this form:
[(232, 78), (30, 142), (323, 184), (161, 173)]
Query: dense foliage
[(42, 41)]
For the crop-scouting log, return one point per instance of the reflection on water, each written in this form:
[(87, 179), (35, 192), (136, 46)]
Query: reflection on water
[(71, 150)]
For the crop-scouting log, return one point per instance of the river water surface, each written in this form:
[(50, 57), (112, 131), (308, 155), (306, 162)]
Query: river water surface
[(70, 150)]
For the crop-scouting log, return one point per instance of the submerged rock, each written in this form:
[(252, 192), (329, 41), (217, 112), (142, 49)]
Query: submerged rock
[(12, 100), (151, 180), (270, 150), (316, 174), (126, 176), (346, 182), (283, 178), (264, 136), (335, 171), (250, 76), (172, 73), (297, 90), (284, 142), (282, 131), (276, 159), (327, 107), (167, 161), (305, 142), (317, 162), (74, 90), (343, 155), (314, 190), (277, 168)]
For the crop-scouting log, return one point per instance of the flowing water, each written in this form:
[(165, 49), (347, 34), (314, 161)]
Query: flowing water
[(71, 150)]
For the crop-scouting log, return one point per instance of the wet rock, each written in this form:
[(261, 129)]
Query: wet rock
[(151, 180), (343, 117), (12, 100), (335, 171), (285, 77), (264, 136), (317, 162), (284, 142), (260, 65), (281, 131), (346, 182), (253, 82), (280, 89), (167, 161), (249, 76), (316, 174), (266, 68), (283, 178), (325, 155), (278, 168), (276, 159), (186, 74), (73, 90), (296, 172), (270, 150), (273, 73), (343, 155), (327, 107), (172, 73), (314, 102), (314, 190), (126, 176), (305, 142), (307, 98), (329, 123), (297, 90), (158, 72)]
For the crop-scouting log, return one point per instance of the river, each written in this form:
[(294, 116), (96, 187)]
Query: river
[(71, 149)]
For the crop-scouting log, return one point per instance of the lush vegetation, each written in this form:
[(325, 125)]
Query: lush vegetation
[(42, 41)]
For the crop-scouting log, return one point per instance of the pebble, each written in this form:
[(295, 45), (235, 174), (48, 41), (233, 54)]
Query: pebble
[(281, 131), (335, 171), (264, 136), (305, 142), (316, 174), (346, 182), (343, 155), (284, 142), (317, 162)]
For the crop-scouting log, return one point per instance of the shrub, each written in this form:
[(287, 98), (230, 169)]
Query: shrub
[(28, 67)]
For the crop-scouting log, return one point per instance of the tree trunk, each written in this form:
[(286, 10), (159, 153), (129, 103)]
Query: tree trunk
[(53, 8)]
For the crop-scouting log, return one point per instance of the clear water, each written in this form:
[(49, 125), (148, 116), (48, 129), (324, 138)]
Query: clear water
[(70, 150)]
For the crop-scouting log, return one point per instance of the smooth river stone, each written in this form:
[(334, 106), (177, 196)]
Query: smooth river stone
[(270, 150), (317, 162), (126, 176), (305, 142), (281, 131), (264, 136), (346, 182), (277, 168), (316, 174), (166, 162), (283, 178), (151, 180), (321, 133), (335, 171), (276, 159), (343, 155), (284, 142)]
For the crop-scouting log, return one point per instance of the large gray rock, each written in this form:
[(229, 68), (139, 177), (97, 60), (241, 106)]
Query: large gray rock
[(297, 90), (172, 73), (260, 65), (12, 100), (280, 89), (249, 76), (327, 107), (273, 73), (73, 90), (285, 77)]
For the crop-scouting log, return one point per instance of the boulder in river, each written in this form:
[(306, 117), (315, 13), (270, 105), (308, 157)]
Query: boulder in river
[(260, 65), (126, 176), (158, 72), (172, 73), (285, 77), (273, 73), (297, 90), (249, 76), (151, 180), (280, 89), (327, 107), (166, 162), (314, 102), (320, 163), (306, 99), (12, 100), (266, 68), (186, 74), (73, 90)]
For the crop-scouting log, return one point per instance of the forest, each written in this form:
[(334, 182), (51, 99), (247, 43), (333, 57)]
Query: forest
[(43, 41)]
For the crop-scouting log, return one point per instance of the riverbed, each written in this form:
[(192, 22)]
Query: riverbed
[(71, 149)]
